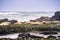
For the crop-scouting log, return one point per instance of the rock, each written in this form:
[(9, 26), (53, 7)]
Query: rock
[(56, 16), (43, 19)]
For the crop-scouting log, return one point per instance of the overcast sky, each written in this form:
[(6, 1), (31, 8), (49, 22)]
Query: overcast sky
[(29, 5)]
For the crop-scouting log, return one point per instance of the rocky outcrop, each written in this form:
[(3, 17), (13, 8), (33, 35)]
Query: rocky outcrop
[(7, 20), (56, 16), (3, 20), (43, 19)]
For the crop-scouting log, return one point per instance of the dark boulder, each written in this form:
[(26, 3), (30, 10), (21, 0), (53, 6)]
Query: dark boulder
[(56, 16)]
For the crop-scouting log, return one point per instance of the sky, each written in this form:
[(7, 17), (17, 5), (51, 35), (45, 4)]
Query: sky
[(29, 5)]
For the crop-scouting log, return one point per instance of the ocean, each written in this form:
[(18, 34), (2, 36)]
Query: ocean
[(24, 16)]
